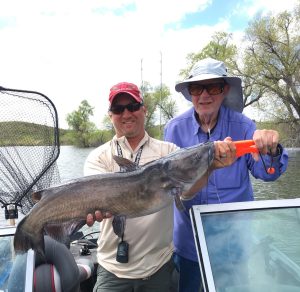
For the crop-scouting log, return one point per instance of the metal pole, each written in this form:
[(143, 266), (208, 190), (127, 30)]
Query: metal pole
[(142, 82), (160, 132)]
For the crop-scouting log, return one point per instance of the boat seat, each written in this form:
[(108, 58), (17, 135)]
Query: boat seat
[(61, 272)]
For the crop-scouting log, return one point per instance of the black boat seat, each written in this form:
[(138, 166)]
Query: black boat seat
[(61, 272)]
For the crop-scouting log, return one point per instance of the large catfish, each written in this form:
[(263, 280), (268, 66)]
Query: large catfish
[(141, 190)]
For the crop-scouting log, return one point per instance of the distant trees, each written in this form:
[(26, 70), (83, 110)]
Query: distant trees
[(84, 133), (160, 108), (79, 122)]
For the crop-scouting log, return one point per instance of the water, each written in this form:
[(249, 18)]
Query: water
[(287, 186), (71, 161)]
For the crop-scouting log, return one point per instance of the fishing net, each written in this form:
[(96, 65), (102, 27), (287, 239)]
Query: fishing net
[(29, 147)]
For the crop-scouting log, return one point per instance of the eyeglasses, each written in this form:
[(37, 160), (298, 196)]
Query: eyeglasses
[(212, 89), (132, 107)]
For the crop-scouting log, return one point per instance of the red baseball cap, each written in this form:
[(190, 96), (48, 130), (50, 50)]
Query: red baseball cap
[(125, 87)]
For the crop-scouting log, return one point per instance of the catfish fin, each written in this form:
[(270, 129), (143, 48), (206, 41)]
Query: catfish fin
[(125, 164), (62, 231), (176, 192), (23, 240), (178, 203), (119, 223)]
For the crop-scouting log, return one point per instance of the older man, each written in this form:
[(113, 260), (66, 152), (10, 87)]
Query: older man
[(216, 113)]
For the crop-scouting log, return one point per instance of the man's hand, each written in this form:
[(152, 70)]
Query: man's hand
[(225, 153), (266, 141), (99, 216)]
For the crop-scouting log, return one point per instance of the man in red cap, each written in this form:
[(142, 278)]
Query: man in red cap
[(148, 239), (141, 258)]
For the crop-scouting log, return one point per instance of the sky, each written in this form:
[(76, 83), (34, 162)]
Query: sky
[(71, 50)]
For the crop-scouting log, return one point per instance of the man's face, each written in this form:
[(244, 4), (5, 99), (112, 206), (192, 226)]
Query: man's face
[(207, 96), (127, 123)]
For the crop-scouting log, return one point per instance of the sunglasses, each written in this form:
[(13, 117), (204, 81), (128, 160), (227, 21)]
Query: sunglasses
[(132, 107), (212, 89)]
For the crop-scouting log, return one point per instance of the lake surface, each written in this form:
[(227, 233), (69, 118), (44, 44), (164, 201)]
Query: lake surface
[(285, 187), (71, 160)]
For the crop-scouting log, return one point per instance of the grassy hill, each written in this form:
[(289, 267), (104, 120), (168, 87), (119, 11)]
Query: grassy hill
[(26, 134)]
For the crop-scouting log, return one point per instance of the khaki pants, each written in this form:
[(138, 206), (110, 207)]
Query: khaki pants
[(161, 281)]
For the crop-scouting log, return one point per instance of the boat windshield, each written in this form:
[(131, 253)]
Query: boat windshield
[(251, 246)]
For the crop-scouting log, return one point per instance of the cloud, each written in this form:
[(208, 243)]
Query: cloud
[(267, 6)]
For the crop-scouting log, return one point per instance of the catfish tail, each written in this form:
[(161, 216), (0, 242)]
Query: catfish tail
[(23, 240)]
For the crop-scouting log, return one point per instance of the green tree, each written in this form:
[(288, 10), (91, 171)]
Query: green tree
[(108, 126), (272, 60), (272, 65), (79, 122), (160, 108)]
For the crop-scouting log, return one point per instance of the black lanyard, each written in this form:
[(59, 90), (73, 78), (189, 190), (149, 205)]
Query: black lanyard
[(137, 158), (123, 246)]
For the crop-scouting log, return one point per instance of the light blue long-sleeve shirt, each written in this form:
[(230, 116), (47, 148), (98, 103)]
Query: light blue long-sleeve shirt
[(228, 184)]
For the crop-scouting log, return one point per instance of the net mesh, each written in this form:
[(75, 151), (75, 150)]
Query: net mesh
[(29, 146)]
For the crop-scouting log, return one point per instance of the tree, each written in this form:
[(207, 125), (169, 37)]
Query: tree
[(272, 64), (160, 107), (79, 122), (272, 59)]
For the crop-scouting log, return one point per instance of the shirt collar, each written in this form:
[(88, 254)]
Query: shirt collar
[(217, 128), (124, 142), (195, 123)]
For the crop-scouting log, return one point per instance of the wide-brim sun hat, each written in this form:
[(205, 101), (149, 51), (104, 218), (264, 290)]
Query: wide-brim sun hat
[(209, 68)]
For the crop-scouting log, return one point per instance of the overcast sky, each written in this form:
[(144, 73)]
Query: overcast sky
[(72, 50)]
